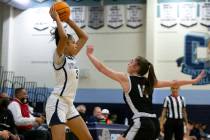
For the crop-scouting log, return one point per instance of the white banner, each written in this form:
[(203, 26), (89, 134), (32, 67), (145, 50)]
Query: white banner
[(115, 16), (96, 17), (135, 15), (41, 20), (188, 14), (78, 15), (205, 13), (168, 14)]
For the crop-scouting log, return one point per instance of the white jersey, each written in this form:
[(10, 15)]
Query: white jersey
[(66, 75)]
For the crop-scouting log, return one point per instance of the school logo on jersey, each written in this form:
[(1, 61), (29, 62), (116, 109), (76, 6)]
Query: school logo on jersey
[(196, 56)]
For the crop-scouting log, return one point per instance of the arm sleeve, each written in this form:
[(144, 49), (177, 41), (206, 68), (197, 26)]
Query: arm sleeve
[(18, 118)]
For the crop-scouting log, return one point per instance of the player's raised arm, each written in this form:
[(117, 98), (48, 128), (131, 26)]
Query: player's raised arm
[(161, 84), (115, 75)]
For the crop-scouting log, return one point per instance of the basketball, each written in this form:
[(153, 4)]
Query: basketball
[(63, 10)]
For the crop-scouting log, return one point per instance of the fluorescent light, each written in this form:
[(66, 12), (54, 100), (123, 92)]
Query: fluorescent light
[(22, 2)]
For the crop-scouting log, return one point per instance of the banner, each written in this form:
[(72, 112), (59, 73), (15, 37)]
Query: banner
[(41, 20), (205, 14), (135, 15), (188, 14), (114, 16), (96, 17), (78, 15), (168, 14)]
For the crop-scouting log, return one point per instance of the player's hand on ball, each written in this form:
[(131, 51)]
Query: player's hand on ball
[(54, 14)]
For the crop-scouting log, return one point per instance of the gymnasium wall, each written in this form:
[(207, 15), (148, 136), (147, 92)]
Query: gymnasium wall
[(170, 42), (32, 50), (1, 25)]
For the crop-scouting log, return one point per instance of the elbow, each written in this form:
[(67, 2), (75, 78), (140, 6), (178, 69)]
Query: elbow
[(85, 38), (63, 37)]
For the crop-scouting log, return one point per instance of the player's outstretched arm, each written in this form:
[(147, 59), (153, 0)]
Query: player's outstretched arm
[(115, 75), (161, 84)]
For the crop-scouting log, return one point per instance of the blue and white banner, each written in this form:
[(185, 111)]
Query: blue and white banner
[(96, 17), (135, 15), (168, 14), (205, 13), (188, 14), (78, 15), (115, 16)]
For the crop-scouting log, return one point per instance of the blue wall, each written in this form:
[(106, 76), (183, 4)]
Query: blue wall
[(193, 97)]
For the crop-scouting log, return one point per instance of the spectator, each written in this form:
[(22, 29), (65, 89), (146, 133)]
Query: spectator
[(23, 119), (4, 135), (106, 114), (4, 94), (189, 128), (203, 133), (195, 131), (82, 111), (97, 116), (113, 118), (6, 118)]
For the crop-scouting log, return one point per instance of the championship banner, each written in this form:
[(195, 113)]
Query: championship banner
[(115, 16), (135, 15), (205, 14), (41, 20), (188, 14), (96, 17), (168, 14), (78, 15)]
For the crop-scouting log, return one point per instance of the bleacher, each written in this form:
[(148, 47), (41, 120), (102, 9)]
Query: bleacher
[(37, 95)]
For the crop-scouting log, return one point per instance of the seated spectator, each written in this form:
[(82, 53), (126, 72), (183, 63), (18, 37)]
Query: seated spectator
[(203, 132), (4, 135), (106, 113), (82, 111), (3, 95), (189, 128), (24, 120), (7, 124), (97, 116), (195, 131), (113, 118)]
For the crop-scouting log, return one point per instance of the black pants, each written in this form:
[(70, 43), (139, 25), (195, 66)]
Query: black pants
[(174, 126), (143, 129)]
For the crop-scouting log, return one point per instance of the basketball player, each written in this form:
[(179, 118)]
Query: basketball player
[(138, 86), (60, 110)]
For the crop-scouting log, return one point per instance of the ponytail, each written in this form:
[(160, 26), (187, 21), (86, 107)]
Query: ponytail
[(147, 71)]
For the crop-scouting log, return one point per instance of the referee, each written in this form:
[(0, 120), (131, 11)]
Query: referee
[(174, 115)]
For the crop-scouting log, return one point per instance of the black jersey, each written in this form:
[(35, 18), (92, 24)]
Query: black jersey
[(136, 99)]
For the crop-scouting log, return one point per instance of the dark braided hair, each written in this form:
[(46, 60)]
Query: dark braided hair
[(57, 37)]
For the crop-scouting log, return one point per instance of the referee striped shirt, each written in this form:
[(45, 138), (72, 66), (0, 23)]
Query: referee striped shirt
[(174, 106)]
